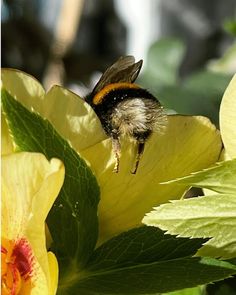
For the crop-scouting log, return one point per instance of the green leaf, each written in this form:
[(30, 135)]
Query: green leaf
[(210, 216), (163, 62), (73, 219), (145, 261), (186, 101), (220, 178), (192, 291), (141, 245), (230, 27), (208, 84), (199, 94)]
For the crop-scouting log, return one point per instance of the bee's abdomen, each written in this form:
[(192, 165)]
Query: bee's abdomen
[(136, 117)]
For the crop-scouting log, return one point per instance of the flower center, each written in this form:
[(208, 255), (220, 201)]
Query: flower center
[(17, 263)]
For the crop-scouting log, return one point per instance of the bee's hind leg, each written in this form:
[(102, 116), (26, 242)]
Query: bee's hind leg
[(117, 151), (138, 156), (141, 139)]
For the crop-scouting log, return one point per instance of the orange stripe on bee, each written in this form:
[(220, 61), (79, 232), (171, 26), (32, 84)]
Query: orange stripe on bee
[(111, 87)]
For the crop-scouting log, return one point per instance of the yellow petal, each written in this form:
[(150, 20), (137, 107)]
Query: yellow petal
[(27, 90), (72, 117), (30, 185), (189, 144), (23, 87), (53, 269), (228, 118)]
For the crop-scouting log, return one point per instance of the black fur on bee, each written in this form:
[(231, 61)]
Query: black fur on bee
[(124, 108)]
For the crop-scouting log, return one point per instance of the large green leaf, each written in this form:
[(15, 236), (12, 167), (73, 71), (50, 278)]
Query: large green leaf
[(209, 216), (73, 219), (145, 261)]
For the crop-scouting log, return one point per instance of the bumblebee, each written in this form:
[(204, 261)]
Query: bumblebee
[(124, 108)]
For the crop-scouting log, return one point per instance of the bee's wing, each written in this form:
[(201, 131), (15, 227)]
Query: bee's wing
[(123, 70)]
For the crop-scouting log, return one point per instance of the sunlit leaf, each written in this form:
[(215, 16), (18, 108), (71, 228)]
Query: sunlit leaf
[(209, 216), (219, 178)]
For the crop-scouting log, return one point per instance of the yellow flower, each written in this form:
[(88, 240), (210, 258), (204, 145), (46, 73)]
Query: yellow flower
[(30, 185), (190, 143), (228, 120)]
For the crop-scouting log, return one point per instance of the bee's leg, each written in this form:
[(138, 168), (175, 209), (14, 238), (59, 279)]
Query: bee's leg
[(140, 150), (117, 151), (141, 139)]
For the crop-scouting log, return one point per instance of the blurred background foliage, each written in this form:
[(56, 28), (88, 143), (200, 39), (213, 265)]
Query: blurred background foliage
[(199, 92), (188, 48)]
